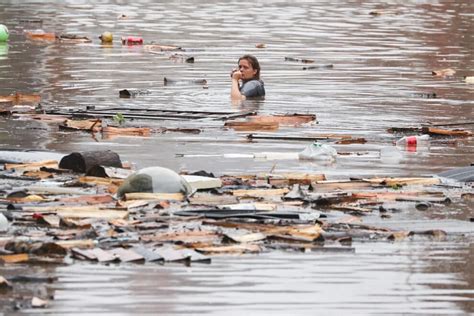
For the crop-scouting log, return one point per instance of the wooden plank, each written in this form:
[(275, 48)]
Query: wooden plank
[(101, 181), (102, 214), (20, 98), (404, 181), (40, 36), (79, 244), (252, 126), (126, 255), (328, 186), (446, 132), (238, 237), (32, 166), (186, 236), (391, 196), (260, 192), (87, 125), (102, 255), (126, 131), (209, 199), (83, 254), (90, 200), (38, 174), (16, 258), (234, 249), (154, 196), (284, 119)]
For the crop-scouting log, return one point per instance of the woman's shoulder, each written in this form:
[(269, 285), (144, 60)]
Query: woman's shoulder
[(253, 88)]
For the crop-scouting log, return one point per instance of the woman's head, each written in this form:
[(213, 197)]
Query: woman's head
[(249, 67)]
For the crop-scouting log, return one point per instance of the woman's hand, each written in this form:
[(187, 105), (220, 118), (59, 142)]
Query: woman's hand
[(236, 74)]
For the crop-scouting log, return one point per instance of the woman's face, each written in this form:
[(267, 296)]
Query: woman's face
[(245, 67)]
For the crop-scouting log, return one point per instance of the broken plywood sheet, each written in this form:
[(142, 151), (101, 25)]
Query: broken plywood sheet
[(201, 183)]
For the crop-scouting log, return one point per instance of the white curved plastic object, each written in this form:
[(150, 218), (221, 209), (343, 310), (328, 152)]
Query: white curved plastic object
[(317, 151), (413, 141)]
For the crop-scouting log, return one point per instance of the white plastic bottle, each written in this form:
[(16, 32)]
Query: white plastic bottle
[(412, 142), (317, 151)]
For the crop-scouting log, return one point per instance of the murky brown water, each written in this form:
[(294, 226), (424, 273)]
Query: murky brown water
[(380, 64)]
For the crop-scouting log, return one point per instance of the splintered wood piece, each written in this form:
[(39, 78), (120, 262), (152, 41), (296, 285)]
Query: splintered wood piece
[(252, 126), (87, 125)]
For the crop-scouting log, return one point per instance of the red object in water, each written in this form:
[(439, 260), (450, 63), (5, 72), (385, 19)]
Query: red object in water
[(132, 40), (37, 216), (411, 143)]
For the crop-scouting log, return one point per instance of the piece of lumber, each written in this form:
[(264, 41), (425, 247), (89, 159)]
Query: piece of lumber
[(446, 132), (154, 196), (252, 125)]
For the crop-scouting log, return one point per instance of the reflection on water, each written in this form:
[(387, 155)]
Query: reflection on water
[(382, 68), (400, 278)]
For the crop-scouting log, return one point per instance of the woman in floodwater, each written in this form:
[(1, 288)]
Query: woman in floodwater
[(249, 74)]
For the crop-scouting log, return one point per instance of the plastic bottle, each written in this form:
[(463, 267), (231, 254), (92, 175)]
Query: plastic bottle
[(411, 143), (317, 151), (4, 33)]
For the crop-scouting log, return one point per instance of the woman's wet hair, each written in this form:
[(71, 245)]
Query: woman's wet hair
[(254, 62)]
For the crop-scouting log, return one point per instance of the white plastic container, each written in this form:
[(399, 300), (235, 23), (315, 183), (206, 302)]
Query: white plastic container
[(317, 151), (413, 142)]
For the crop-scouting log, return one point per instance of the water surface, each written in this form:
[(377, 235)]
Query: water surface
[(381, 66)]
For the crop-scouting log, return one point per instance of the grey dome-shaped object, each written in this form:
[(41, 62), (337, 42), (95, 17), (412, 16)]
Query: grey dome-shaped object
[(154, 180)]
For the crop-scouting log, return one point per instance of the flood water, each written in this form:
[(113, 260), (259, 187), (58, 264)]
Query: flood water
[(381, 68)]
